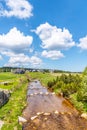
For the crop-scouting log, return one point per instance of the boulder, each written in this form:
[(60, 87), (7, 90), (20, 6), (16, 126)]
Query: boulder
[(4, 97)]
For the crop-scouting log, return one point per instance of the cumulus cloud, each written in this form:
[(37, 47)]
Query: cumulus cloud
[(18, 8), (54, 38), (18, 60), (54, 55), (16, 46), (34, 60), (7, 53), (83, 43), (15, 41), (21, 60)]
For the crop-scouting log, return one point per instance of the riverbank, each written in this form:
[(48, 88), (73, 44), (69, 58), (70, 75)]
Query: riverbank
[(46, 111)]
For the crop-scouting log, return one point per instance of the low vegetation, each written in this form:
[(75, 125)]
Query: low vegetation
[(73, 87), (9, 112), (67, 84)]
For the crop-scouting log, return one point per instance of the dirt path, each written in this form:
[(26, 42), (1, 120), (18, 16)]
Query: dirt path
[(46, 111)]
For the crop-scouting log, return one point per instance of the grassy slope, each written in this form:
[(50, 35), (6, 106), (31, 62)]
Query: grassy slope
[(9, 112)]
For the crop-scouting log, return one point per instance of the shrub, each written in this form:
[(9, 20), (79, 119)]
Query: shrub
[(82, 93)]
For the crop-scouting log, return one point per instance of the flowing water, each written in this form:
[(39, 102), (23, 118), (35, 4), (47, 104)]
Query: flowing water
[(59, 113)]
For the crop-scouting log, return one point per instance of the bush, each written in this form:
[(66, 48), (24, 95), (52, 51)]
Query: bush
[(51, 83), (82, 93), (68, 84)]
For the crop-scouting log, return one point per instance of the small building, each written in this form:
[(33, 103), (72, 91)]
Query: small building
[(19, 71)]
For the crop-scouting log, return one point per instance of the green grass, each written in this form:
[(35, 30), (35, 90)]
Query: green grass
[(9, 112), (43, 77), (7, 76)]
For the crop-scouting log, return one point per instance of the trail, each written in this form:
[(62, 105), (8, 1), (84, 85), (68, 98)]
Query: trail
[(46, 111)]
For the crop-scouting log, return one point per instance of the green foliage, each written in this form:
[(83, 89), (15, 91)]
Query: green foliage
[(78, 104), (68, 84), (69, 88), (51, 83), (82, 93)]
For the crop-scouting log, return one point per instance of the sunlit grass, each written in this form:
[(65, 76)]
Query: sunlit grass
[(7, 76), (43, 77), (9, 112)]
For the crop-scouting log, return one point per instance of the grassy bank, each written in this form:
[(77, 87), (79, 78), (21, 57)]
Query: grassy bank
[(43, 77), (9, 112)]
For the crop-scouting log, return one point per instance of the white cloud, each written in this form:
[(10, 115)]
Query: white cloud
[(15, 45), (31, 50), (15, 41), (0, 57), (7, 53), (83, 43), (54, 55), (54, 38), (18, 8), (34, 60), (22, 60)]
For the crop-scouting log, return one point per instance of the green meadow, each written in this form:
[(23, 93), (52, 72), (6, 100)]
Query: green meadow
[(42, 76)]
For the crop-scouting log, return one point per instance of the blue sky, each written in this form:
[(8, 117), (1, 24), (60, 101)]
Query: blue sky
[(43, 34)]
